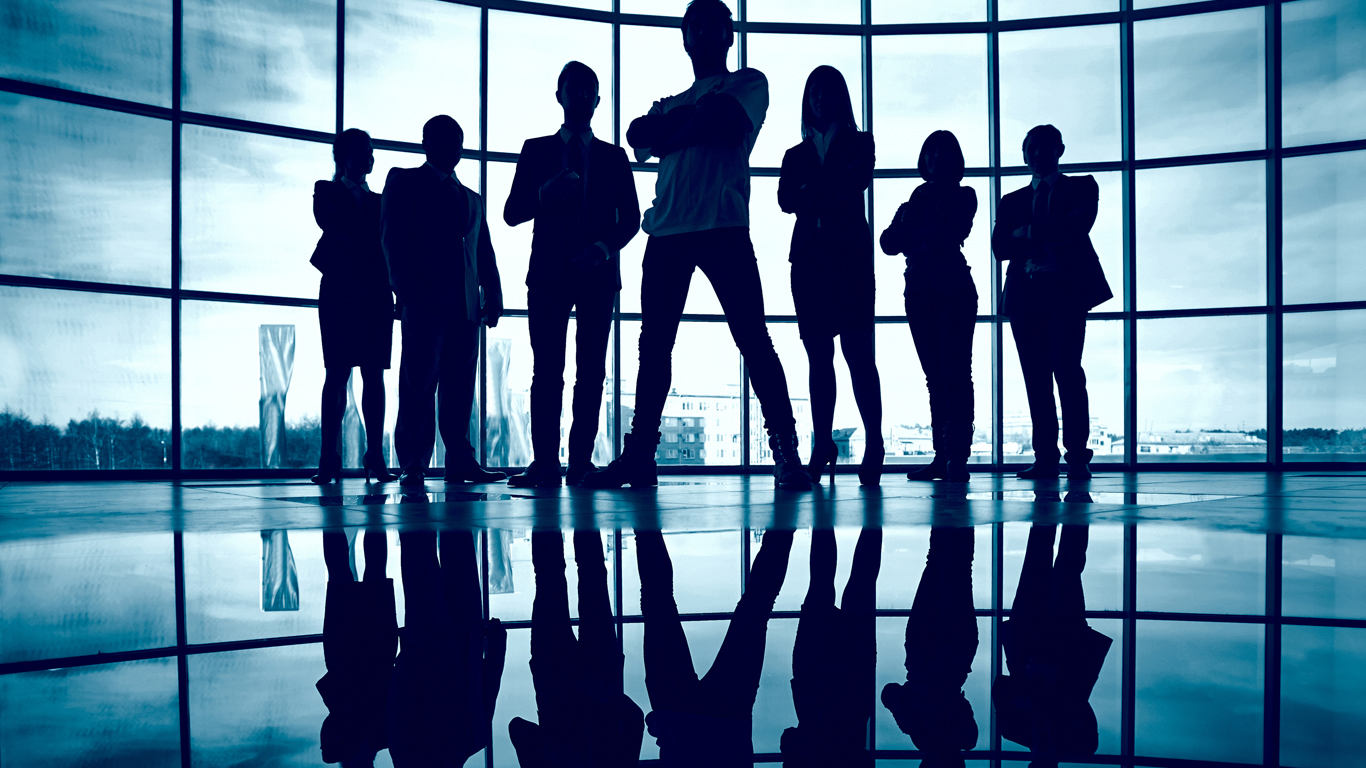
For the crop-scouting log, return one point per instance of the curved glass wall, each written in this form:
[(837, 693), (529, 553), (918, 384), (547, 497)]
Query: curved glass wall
[(160, 155)]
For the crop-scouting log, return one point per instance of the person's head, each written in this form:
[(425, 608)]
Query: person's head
[(442, 140), (353, 155), (826, 101), (1042, 148), (940, 724), (708, 30), (941, 159), (577, 93)]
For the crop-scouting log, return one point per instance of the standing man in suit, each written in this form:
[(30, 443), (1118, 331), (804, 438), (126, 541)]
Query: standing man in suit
[(700, 219), (442, 269), (1054, 279), (580, 192)]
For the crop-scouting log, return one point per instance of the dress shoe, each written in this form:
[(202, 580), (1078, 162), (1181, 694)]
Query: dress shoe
[(956, 471), (413, 477), (1039, 470), (577, 472), (788, 472), (539, 475), (932, 471), (634, 467), (475, 474)]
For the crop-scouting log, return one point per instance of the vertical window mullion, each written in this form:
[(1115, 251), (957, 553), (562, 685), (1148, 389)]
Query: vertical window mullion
[(1129, 265), (483, 191), (1275, 404), (177, 37), (615, 413), (994, 194)]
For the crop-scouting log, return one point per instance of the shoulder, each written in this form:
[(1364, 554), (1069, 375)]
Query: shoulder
[(398, 176), (1023, 193), (539, 144), (324, 186), (966, 194), (747, 76), (798, 152), (1083, 184), (602, 147)]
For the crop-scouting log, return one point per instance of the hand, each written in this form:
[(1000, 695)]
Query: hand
[(492, 314), (590, 258), (559, 186), (1021, 232)]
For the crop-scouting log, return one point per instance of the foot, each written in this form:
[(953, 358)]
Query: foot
[(475, 474), (325, 478), (635, 467), (538, 475), (413, 477), (821, 456), (577, 472), (788, 472), (932, 471), (956, 471), (870, 470), (1039, 470)]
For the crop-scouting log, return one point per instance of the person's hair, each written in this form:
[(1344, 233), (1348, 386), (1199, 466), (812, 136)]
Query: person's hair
[(1044, 133), (442, 127), (838, 98), (950, 167), (938, 725), (576, 68), (699, 10), (346, 143)]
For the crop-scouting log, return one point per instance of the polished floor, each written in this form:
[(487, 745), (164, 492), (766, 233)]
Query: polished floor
[(156, 623)]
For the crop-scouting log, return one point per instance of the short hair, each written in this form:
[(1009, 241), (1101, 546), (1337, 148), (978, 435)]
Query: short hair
[(442, 127), (1044, 133), (951, 161), (841, 103), (576, 68), (346, 144), (708, 10)]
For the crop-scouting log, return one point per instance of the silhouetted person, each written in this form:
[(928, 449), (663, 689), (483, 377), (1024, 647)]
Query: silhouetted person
[(448, 672), (700, 220), (585, 717), (823, 180), (360, 639), (941, 300), (1054, 279), (355, 305), (443, 271), (580, 191), (941, 640), (834, 661), (1053, 656), (706, 721)]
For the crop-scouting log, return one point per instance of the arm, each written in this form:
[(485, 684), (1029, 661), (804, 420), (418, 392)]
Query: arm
[(796, 193), (489, 279), (325, 210), (1080, 214), (718, 119), (628, 206), (852, 178), (893, 239), (1004, 244), (523, 201), (395, 232)]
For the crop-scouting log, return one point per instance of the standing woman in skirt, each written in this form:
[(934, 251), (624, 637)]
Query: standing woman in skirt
[(941, 300), (355, 304), (823, 180)]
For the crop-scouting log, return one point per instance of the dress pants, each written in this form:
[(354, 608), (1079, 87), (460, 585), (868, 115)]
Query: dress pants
[(726, 257), (1050, 347), (942, 325), (440, 357), (548, 308)]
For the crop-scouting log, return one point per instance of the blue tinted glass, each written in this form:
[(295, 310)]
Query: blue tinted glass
[(262, 701), (1033, 9), (808, 11), (1195, 571), (120, 49), (1323, 671), (1324, 228), (88, 193), (1324, 577), (925, 11), (223, 587), (1323, 71), (271, 61), (1199, 83), (1325, 409), (926, 83), (706, 573), (1065, 77)]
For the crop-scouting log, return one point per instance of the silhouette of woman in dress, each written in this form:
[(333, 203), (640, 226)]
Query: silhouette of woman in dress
[(941, 301), (823, 180), (355, 304)]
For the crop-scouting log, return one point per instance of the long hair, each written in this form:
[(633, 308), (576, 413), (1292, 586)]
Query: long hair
[(951, 163), (837, 95), (347, 143)]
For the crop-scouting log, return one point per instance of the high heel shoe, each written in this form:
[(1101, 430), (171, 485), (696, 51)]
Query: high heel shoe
[(827, 453), (870, 470), (329, 471), (374, 464)]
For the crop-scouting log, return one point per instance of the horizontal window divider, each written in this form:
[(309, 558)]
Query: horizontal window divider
[(1163, 314), (247, 298), (1212, 158), (81, 98), (1324, 149), (85, 286), (251, 126), (1322, 306)]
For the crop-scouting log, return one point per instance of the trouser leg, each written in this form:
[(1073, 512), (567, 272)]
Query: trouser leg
[(670, 678), (548, 309), (956, 377), (1032, 344), (593, 329), (552, 638), (732, 683), (459, 370), (665, 274), (418, 374), (923, 318), (597, 630), (1068, 339)]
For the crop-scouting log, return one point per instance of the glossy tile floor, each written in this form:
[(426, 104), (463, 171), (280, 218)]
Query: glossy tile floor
[(151, 624)]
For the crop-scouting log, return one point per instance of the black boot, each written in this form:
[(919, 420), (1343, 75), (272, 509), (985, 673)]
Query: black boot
[(932, 471), (788, 472), (635, 467)]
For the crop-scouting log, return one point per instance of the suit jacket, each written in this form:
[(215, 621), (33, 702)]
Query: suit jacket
[(436, 242), (349, 253), (605, 210), (1060, 243), (828, 199)]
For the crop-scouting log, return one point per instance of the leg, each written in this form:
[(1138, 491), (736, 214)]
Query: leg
[(1068, 597), (423, 598), (859, 355), (860, 593), (1036, 576), (372, 408), (821, 589), (376, 555), (956, 378), (418, 373), (593, 320), (1031, 342), (597, 633), (941, 633), (728, 262), (553, 658), (460, 573), (337, 556), (820, 355), (333, 407), (923, 317), (666, 272), (459, 369), (547, 322), (670, 679), (1067, 337)]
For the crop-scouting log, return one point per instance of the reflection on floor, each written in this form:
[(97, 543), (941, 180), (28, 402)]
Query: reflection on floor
[(1235, 604)]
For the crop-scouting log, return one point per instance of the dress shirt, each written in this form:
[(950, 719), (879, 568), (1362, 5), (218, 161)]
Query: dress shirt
[(824, 140)]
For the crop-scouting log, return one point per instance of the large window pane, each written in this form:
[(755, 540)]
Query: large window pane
[(633, 255), (1195, 571), (1198, 691), (244, 704), (899, 578), (1201, 236), (88, 193), (888, 196), (407, 60), (271, 61), (1102, 579), (848, 424), (118, 49), (902, 12), (1199, 83), (806, 11), (706, 576), (248, 212), (771, 231), (1202, 389), (787, 60), (924, 83), (1323, 71), (1324, 365), (1324, 228), (86, 382), (906, 401), (126, 714), (224, 583), (1033, 9), (1325, 578), (1323, 671), (653, 65), (1103, 361), (526, 54), (512, 245), (1066, 77)]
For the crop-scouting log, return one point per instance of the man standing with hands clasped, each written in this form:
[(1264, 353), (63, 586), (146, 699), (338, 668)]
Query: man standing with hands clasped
[(580, 192)]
